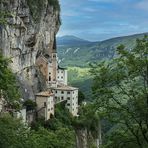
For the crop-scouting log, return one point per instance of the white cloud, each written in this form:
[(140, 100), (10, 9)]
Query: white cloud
[(90, 9), (106, 1), (70, 13), (143, 5)]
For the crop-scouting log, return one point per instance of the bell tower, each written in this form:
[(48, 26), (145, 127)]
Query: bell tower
[(53, 65)]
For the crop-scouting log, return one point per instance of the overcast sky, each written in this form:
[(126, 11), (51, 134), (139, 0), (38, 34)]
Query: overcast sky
[(102, 19)]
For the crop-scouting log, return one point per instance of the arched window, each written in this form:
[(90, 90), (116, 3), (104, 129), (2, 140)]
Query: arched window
[(49, 78)]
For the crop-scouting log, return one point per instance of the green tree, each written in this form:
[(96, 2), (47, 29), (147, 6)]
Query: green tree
[(120, 90), (13, 134), (58, 128), (30, 105), (8, 85), (88, 124), (81, 97)]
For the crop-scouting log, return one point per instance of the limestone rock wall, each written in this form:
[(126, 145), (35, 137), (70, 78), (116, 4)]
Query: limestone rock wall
[(23, 39)]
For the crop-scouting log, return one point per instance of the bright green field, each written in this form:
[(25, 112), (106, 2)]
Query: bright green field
[(80, 77)]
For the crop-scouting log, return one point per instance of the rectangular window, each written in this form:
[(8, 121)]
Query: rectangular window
[(68, 92), (62, 98), (44, 104), (62, 92), (68, 104), (68, 98)]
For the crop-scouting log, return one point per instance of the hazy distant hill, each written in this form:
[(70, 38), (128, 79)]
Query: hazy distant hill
[(74, 51), (70, 40)]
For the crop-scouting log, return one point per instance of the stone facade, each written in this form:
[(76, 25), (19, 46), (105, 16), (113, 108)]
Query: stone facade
[(57, 84), (45, 104), (62, 75), (42, 63), (23, 39), (68, 94), (31, 45)]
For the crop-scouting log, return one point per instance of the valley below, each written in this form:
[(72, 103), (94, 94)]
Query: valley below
[(78, 54)]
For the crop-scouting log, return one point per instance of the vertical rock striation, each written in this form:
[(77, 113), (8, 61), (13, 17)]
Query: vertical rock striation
[(30, 29)]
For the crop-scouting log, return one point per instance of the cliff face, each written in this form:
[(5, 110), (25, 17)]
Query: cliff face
[(30, 29)]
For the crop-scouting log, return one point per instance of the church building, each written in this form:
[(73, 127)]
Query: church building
[(58, 89)]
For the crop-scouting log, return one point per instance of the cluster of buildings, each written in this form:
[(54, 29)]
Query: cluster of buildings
[(57, 89)]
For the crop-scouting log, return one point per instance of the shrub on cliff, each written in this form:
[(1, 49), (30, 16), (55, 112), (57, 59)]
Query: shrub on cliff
[(8, 85)]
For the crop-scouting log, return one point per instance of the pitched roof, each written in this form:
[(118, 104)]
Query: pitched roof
[(62, 68), (45, 94), (65, 87)]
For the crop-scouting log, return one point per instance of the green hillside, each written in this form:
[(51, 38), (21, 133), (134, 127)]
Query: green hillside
[(78, 56), (81, 55)]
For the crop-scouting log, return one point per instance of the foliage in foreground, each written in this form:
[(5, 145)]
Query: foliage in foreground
[(59, 126), (14, 134), (121, 92)]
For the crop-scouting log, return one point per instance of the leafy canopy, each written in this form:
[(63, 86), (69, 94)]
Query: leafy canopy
[(120, 89)]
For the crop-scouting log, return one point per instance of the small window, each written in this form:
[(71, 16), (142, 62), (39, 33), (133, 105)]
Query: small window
[(73, 92), (68, 92), (55, 97), (68, 98), (56, 92), (62, 98), (54, 56), (35, 75), (68, 104), (27, 69), (49, 109), (44, 104), (62, 92), (61, 77), (49, 78)]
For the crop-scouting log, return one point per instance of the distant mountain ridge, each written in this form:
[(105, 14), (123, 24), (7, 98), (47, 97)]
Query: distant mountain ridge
[(70, 40), (78, 56), (74, 51)]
